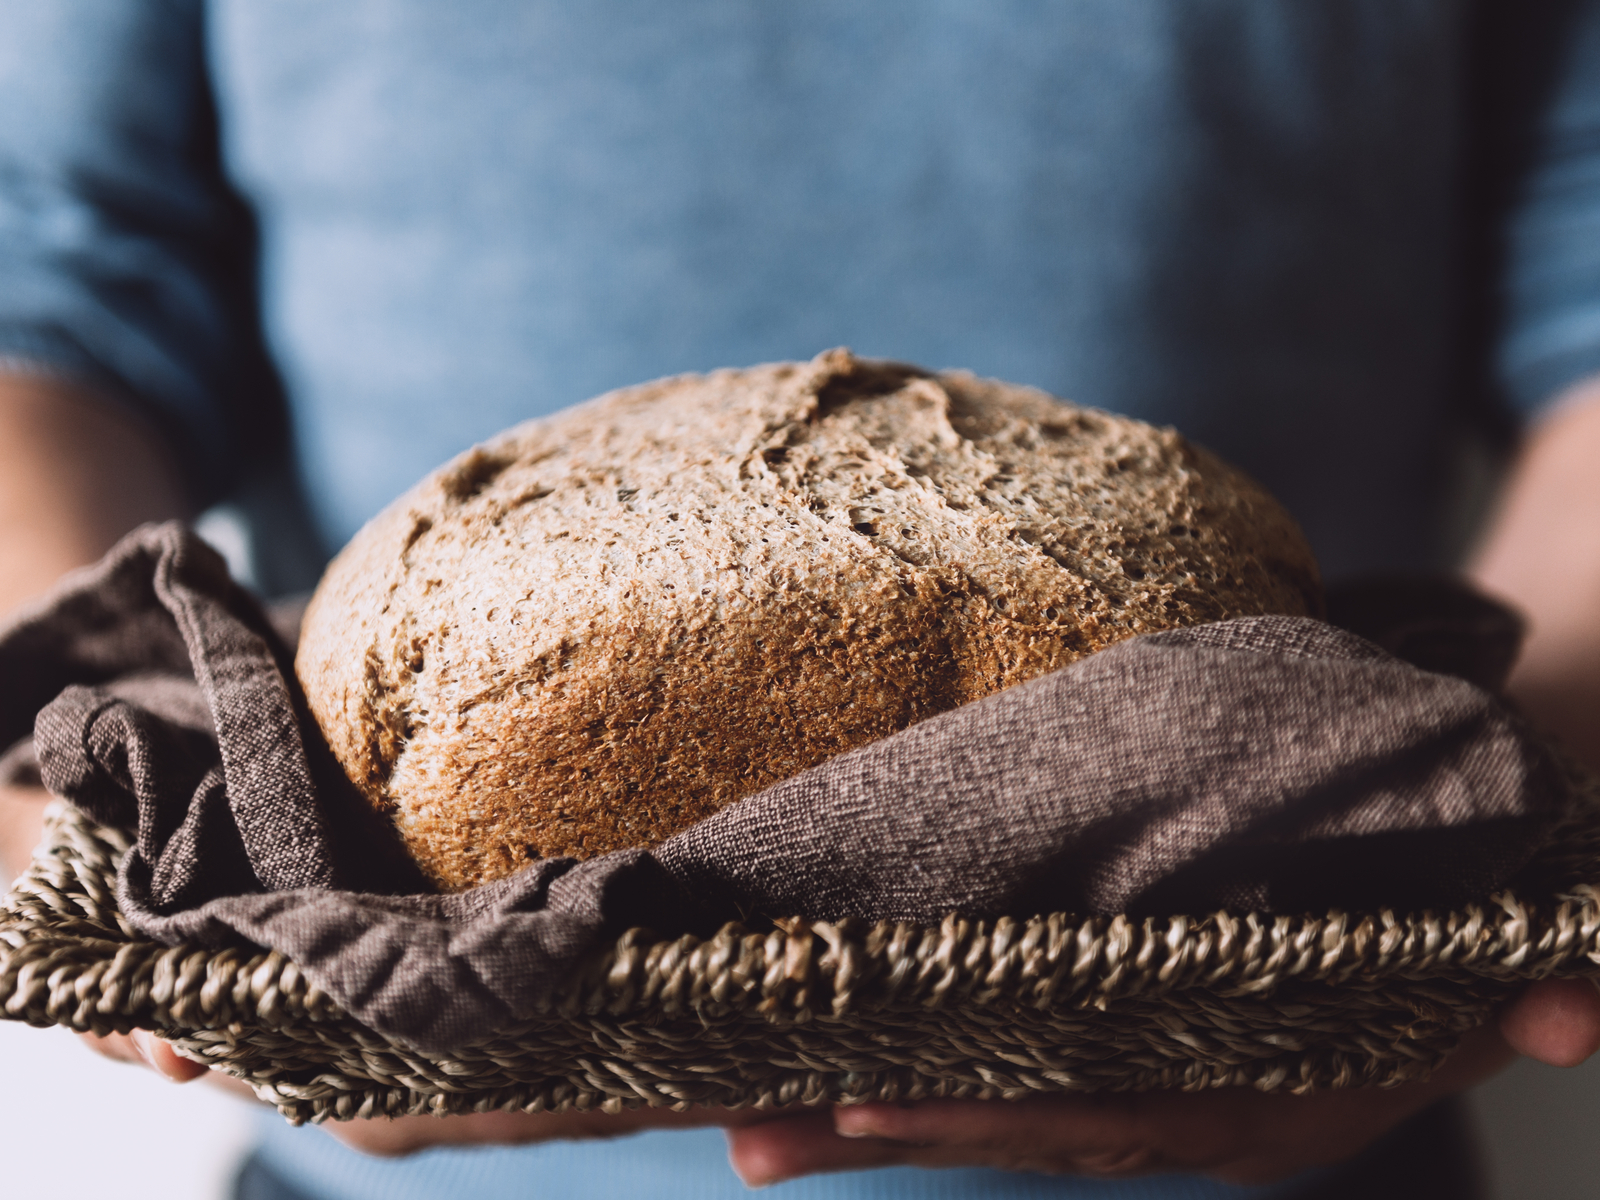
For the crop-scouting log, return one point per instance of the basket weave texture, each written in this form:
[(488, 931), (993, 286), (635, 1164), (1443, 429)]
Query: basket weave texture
[(813, 1012)]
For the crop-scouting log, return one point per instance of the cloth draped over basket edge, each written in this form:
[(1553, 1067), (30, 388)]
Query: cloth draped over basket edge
[(1263, 763)]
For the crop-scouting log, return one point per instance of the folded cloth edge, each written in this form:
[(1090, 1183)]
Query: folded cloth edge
[(437, 971)]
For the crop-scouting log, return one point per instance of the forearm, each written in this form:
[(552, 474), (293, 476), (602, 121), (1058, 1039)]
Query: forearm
[(1542, 553), (76, 473)]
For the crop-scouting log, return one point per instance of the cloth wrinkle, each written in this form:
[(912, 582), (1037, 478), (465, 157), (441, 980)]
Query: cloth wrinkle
[(1276, 763)]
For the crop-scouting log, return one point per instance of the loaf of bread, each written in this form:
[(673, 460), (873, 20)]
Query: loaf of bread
[(601, 627)]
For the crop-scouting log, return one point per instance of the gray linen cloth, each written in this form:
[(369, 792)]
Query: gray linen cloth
[(1269, 763)]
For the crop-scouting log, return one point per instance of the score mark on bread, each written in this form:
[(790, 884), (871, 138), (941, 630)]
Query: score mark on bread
[(600, 627)]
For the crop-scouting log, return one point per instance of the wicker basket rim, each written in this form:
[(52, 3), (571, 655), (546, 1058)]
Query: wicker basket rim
[(67, 957)]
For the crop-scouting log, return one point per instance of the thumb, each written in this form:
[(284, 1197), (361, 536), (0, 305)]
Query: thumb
[(1556, 1021), (163, 1059)]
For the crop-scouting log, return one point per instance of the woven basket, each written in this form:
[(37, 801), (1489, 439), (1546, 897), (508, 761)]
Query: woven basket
[(812, 1012)]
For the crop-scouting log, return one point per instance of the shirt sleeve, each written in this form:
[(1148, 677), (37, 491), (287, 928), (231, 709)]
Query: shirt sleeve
[(125, 257), (1547, 88)]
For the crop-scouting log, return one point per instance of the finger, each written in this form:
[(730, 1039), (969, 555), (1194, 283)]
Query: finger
[(1556, 1021), (1091, 1134), (115, 1046), (145, 1048), (1242, 1136), (159, 1055), (1236, 1134), (394, 1137), (805, 1145), (389, 1137)]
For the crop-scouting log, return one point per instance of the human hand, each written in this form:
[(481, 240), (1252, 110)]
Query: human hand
[(21, 821), (392, 1137), (146, 1049), (397, 1136), (1237, 1135)]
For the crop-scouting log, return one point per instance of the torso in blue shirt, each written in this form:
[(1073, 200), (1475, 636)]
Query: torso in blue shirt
[(1235, 217), (1238, 216)]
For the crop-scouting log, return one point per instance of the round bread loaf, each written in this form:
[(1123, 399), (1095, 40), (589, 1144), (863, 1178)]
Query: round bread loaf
[(601, 627)]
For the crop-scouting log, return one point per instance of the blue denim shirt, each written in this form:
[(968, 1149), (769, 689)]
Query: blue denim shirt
[(1324, 237), (1311, 234)]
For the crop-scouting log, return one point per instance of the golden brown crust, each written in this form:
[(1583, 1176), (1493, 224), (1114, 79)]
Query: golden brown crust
[(599, 628)]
